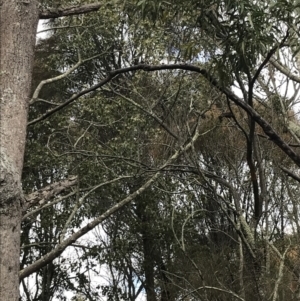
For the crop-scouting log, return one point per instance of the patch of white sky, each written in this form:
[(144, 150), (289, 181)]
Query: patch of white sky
[(42, 31), (71, 263)]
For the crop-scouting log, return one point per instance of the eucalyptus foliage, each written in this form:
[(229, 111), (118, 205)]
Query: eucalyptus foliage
[(207, 228)]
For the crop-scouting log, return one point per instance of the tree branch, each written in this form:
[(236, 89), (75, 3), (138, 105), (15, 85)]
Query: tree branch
[(59, 77), (53, 13), (61, 247), (284, 70), (80, 202), (290, 173), (45, 194), (267, 128), (48, 204)]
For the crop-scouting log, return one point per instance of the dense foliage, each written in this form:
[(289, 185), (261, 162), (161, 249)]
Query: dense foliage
[(204, 155)]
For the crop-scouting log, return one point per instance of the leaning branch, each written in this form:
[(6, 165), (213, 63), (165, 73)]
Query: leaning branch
[(59, 77), (80, 202), (267, 128), (53, 13), (290, 173), (284, 70), (69, 241)]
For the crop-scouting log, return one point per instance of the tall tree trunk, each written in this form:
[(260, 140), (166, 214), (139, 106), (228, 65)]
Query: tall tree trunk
[(18, 22), (148, 247)]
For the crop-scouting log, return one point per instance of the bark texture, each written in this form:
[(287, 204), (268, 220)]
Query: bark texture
[(18, 22)]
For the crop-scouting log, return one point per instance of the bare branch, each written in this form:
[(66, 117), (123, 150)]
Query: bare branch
[(45, 194), (290, 174), (280, 271), (46, 205), (52, 80), (59, 77), (82, 199), (53, 13), (285, 71), (227, 291)]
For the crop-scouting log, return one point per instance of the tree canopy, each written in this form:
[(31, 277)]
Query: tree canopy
[(162, 152)]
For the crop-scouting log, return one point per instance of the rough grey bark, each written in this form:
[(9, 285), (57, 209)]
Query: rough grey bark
[(18, 22)]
